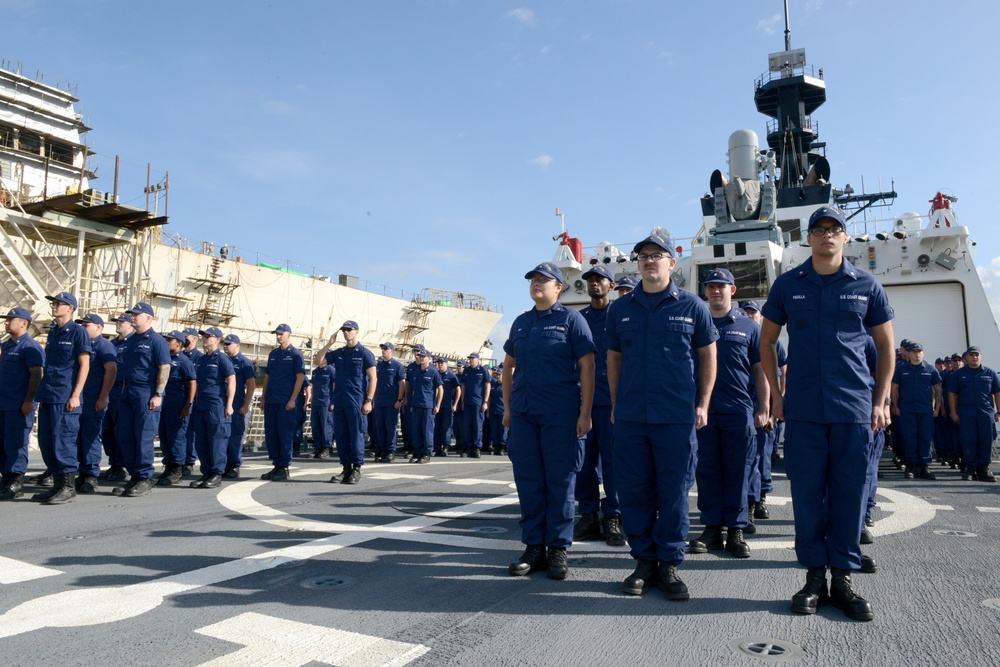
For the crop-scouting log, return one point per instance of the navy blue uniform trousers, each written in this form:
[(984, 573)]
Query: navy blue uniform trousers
[(89, 439), (598, 452), (109, 435), (173, 433), (211, 438), (654, 471), (976, 435), (385, 420), (422, 431), (878, 444), (15, 429), (916, 430), (546, 455), (57, 433), (349, 432), (727, 449), (234, 450), (137, 426), (279, 425), (474, 426), (321, 421)]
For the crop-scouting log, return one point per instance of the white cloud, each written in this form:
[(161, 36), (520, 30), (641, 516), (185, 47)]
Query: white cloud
[(770, 24), (522, 15), (542, 161), (990, 275)]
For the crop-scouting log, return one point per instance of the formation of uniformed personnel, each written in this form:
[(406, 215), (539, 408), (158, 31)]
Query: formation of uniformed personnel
[(548, 387), (246, 384), (916, 400), (727, 444), (661, 370), (424, 393), (974, 396), (321, 411), (353, 395), (59, 396), (21, 363), (109, 438), (831, 409), (389, 399), (475, 401), (598, 458), (100, 379), (283, 378), (175, 413), (445, 418)]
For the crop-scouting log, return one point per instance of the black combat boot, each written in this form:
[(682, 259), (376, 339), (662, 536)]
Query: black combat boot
[(984, 474), (12, 486), (761, 511), (87, 484), (611, 526), (751, 527), (64, 487), (641, 579), (671, 585), (355, 475), (866, 536), (170, 476), (736, 545), (814, 594), (868, 565), (587, 528), (843, 597), (924, 473), (532, 560), (558, 563), (709, 540), (44, 479)]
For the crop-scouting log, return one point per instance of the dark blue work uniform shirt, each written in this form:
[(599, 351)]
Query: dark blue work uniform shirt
[(827, 316), (65, 344), (143, 355), (596, 320), (101, 352), (213, 371), (737, 350), (282, 367), (17, 358), (658, 339), (349, 365), (916, 387), (496, 396), (322, 384), (181, 373), (474, 383), (975, 388), (244, 370), (450, 381), (388, 375), (117, 394), (546, 346), (422, 383)]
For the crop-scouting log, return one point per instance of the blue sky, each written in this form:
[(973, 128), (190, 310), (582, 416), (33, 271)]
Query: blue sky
[(427, 143)]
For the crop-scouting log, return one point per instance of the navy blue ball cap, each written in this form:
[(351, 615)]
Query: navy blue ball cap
[(724, 276), (440, 360), (190, 331), (831, 212), (124, 317), (627, 281), (938, 361), (461, 363), (916, 347), (282, 328), (175, 335), (91, 318), (956, 357), (349, 324), (212, 331), (142, 308), (419, 348), (547, 269), (657, 240), (905, 343), (751, 304), (18, 312), (387, 346), (231, 338), (473, 355), (973, 348), (600, 271), (64, 297)]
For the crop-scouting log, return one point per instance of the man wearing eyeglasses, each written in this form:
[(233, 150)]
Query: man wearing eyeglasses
[(661, 370), (352, 398), (830, 409)]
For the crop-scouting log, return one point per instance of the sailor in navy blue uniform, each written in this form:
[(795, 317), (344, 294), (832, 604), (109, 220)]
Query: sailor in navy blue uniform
[(416, 350), (109, 438), (760, 483), (304, 396), (21, 362), (175, 414), (661, 370), (389, 398), (425, 392), (548, 392), (59, 395), (475, 399), (459, 423), (213, 409), (100, 380), (445, 417), (191, 339), (916, 400), (974, 396), (284, 375), (727, 445), (832, 410), (146, 369), (498, 430), (246, 385), (321, 411), (598, 459), (353, 397)]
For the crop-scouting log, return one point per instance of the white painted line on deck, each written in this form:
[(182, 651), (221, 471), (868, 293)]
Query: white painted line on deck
[(989, 509), (268, 640), (15, 571)]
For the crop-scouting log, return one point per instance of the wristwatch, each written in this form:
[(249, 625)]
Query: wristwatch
[(160, 393), (888, 401), (368, 400)]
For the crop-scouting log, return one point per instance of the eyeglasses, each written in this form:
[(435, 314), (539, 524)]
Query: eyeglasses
[(654, 257), (820, 232)]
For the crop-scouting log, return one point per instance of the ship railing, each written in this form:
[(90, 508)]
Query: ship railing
[(788, 71)]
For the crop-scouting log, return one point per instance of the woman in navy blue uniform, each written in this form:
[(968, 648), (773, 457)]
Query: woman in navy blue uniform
[(548, 391)]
